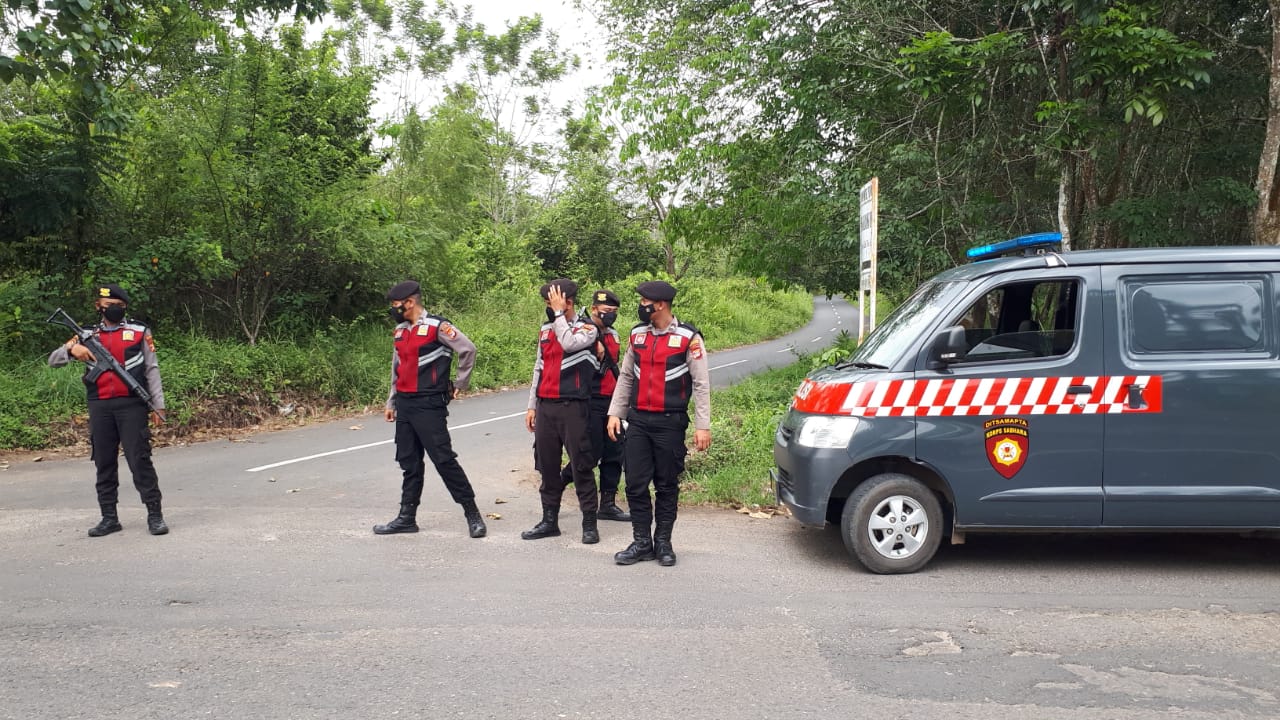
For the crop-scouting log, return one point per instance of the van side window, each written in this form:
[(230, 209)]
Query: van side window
[(1188, 315), (1022, 321)]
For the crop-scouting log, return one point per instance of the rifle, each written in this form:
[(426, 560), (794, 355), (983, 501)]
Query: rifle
[(104, 360)]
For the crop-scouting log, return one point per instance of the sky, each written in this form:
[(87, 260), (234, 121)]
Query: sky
[(577, 30)]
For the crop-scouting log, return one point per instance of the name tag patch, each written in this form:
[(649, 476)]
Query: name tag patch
[(128, 335), (674, 341), (424, 330)]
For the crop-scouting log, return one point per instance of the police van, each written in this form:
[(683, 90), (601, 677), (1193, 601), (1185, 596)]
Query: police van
[(1105, 390)]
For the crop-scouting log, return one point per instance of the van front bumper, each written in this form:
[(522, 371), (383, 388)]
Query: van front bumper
[(804, 477)]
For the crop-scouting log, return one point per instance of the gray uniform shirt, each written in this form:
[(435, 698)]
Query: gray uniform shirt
[(698, 372), (62, 356), (451, 337), (573, 336)]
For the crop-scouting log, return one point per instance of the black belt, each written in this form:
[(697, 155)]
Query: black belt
[(561, 401)]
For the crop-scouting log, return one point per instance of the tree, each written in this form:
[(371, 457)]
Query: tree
[(242, 184)]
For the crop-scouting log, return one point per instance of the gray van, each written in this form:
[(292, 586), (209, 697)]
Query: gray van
[(1109, 390)]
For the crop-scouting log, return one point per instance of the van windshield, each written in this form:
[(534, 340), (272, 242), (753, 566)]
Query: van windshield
[(886, 344)]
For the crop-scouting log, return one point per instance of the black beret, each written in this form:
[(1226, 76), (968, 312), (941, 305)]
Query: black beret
[(604, 297), (404, 290), (111, 290), (567, 287), (657, 290)]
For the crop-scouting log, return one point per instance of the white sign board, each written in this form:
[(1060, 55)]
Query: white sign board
[(868, 248)]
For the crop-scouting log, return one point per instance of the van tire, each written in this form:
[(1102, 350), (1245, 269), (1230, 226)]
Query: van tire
[(890, 547)]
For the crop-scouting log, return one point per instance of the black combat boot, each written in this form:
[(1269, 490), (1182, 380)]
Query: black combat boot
[(155, 520), (609, 509), (110, 523), (549, 527), (405, 522), (590, 534), (475, 522), (641, 547), (662, 544)]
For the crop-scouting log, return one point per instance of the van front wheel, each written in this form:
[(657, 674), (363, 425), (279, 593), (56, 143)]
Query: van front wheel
[(892, 524)]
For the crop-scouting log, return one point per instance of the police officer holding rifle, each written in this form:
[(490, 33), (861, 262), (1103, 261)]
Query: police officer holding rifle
[(122, 380)]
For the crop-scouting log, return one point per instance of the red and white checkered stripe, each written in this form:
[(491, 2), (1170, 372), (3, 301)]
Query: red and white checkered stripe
[(979, 396)]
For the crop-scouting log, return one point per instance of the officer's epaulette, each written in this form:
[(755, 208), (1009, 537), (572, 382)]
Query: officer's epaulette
[(694, 328)]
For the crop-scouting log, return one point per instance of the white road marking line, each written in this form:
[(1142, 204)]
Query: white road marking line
[(373, 444), (816, 339), (736, 362), (788, 348)]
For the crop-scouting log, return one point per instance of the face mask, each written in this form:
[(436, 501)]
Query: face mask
[(645, 313), (112, 313), (608, 318), (396, 313), (551, 315)]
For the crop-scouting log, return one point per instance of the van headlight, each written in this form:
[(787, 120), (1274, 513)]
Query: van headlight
[(827, 431)]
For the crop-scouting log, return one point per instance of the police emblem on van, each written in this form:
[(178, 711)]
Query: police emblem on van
[(1007, 444)]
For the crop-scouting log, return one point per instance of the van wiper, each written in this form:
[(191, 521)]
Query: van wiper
[(859, 364)]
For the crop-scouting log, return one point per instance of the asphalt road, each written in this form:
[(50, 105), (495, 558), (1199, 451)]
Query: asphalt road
[(271, 598)]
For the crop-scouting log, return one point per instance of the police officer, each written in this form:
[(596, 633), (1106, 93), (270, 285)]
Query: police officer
[(665, 366), (558, 410), (608, 453), (418, 405), (116, 415)]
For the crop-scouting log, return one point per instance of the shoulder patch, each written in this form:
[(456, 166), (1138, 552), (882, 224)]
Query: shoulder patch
[(448, 330), (695, 349), (151, 341)]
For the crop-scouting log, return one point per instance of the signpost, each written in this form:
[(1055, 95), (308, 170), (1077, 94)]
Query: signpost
[(868, 246)]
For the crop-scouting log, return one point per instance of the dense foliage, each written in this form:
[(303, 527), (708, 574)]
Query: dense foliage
[(1129, 123)]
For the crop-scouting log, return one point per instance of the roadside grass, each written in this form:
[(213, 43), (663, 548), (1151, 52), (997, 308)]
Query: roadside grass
[(344, 368), (744, 417)]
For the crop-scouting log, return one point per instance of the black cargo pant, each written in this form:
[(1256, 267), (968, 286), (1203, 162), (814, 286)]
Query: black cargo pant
[(562, 424), (608, 453), (117, 422), (654, 451), (422, 426)]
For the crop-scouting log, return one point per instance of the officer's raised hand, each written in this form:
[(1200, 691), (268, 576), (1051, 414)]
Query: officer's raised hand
[(556, 299), (614, 427), (701, 439)]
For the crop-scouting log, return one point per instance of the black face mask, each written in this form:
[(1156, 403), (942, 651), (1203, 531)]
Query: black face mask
[(609, 318), (551, 315), (645, 313), (396, 313), (112, 313)]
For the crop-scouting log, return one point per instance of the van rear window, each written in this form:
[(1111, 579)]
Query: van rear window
[(1196, 315)]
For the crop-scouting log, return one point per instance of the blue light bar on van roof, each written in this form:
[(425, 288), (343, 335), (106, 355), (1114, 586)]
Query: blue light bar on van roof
[(1026, 242)]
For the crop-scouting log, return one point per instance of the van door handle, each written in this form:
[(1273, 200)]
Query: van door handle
[(1079, 390), (1135, 397)]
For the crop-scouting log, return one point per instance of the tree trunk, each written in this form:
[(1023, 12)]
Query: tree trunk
[(1266, 218), (1064, 205)]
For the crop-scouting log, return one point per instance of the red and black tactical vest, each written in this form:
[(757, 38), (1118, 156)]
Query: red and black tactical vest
[(663, 383), (422, 361), (125, 342), (561, 376), (607, 379)]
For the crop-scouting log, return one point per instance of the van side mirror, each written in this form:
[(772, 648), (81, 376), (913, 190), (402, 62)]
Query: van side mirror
[(949, 346)]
